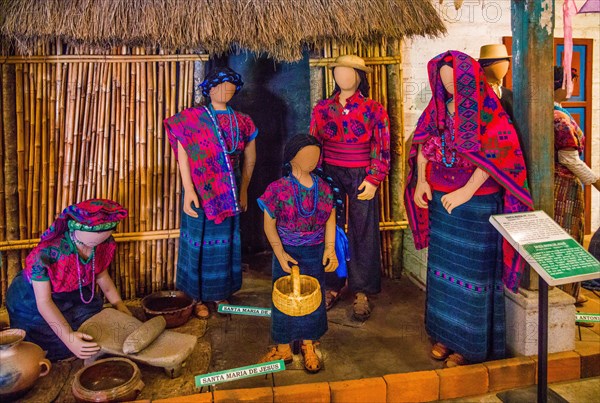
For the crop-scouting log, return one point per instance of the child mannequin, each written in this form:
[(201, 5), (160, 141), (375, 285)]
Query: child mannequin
[(300, 224)]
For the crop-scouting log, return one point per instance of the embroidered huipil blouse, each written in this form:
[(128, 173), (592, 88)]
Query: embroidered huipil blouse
[(213, 168), (56, 262), (567, 134), (279, 201), (355, 135), (448, 179)]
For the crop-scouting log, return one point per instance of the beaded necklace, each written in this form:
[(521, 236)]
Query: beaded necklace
[(453, 152), (298, 197), (93, 283), (235, 133)]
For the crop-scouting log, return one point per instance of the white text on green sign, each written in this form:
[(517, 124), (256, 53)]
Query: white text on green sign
[(239, 373), (244, 310)]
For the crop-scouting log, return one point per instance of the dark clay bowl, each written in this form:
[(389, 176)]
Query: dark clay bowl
[(108, 380), (175, 306)]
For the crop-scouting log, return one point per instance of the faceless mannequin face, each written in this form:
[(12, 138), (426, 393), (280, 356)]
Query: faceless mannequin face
[(346, 78), (560, 95), (92, 239), (495, 72), (306, 160), (222, 93), (447, 77)]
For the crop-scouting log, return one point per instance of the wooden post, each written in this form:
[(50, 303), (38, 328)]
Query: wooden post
[(9, 120), (533, 53), (396, 178)]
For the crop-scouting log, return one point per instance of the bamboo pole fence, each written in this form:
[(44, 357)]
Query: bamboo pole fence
[(90, 125), (385, 83)]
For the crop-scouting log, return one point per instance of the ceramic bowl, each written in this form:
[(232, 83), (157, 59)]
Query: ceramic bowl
[(108, 380), (175, 306)]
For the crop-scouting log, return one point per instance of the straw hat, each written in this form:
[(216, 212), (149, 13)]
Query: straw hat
[(495, 51), (350, 61)]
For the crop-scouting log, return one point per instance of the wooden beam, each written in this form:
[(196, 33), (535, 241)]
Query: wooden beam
[(533, 55)]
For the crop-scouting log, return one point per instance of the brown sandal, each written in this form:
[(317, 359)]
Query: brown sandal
[(361, 307), (331, 298), (275, 354), (201, 311), (455, 360), (311, 360), (439, 352)]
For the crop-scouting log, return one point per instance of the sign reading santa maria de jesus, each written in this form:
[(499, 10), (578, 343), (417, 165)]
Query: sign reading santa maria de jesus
[(552, 253)]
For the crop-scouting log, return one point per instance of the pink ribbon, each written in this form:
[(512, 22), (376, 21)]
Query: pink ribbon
[(569, 9)]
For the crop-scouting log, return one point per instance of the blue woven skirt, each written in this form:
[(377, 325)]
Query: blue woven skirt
[(23, 314), (465, 294), (284, 328), (209, 263)]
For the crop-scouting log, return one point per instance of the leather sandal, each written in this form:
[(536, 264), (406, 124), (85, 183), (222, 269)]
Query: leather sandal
[(201, 311), (275, 354), (439, 352), (361, 307), (331, 298), (311, 360), (455, 360)]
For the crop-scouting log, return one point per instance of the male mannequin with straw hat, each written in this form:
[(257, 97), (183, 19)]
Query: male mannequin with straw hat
[(354, 132), (494, 60)]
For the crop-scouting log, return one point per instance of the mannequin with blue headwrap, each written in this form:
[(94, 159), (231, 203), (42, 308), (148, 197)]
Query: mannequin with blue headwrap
[(213, 137)]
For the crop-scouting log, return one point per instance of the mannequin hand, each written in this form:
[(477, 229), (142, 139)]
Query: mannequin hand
[(454, 199), (367, 190), (121, 307), (285, 260), (330, 260), (244, 200), (422, 189), (81, 345), (188, 198)]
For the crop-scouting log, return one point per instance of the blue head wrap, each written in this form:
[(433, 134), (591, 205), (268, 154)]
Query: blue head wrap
[(218, 76)]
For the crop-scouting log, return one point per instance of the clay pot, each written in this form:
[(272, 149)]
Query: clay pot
[(21, 364), (108, 380), (175, 306)]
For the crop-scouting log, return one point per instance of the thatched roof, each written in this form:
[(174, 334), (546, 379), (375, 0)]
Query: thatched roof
[(279, 28)]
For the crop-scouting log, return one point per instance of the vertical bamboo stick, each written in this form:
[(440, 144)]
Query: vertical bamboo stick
[(9, 136), (3, 256), (53, 116), (29, 117), (44, 155), (21, 157)]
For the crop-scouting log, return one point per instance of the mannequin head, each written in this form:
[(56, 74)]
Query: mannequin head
[(496, 70), (301, 154), (307, 159), (560, 93), (495, 60), (350, 74), (223, 92), (350, 80), (447, 77), (90, 238), (346, 78), (221, 84)]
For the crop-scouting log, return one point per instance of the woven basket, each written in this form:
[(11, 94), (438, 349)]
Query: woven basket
[(297, 295)]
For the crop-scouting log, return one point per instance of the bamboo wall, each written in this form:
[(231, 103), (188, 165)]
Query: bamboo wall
[(384, 81), (91, 126)]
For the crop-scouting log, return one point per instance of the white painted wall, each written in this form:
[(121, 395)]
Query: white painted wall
[(481, 22)]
